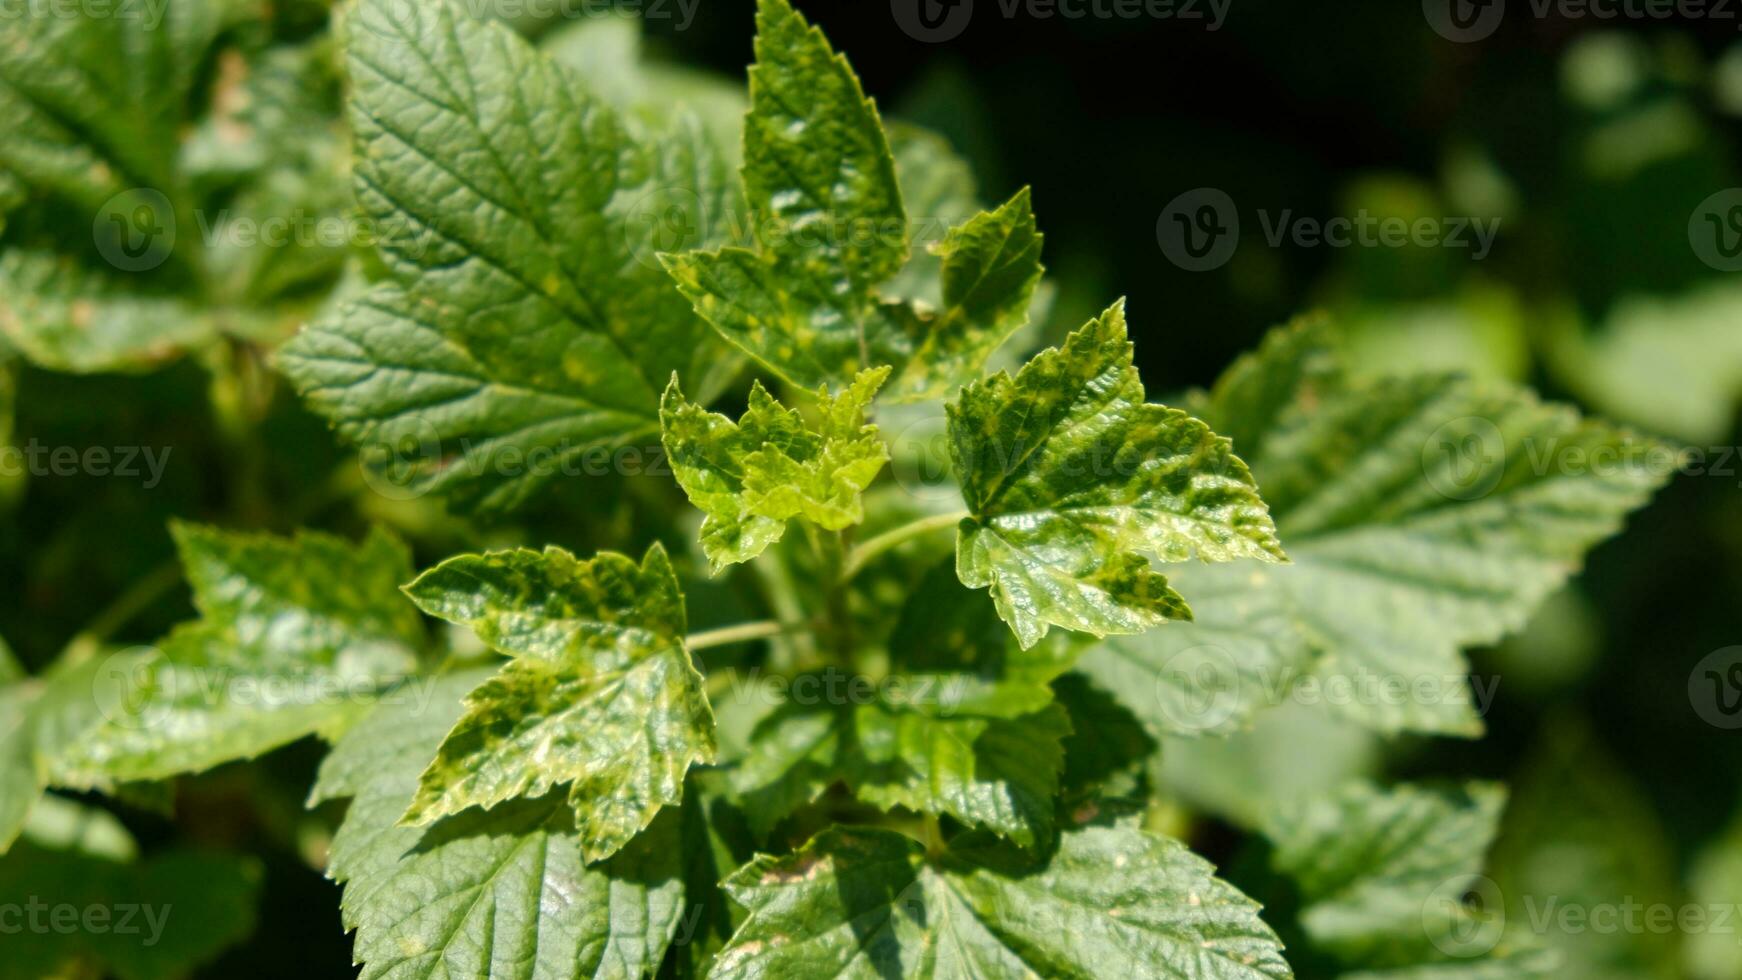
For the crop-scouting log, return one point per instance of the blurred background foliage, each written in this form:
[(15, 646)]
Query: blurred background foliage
[(1593, 143)]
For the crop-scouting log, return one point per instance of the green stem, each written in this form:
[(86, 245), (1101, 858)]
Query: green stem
[(873, 547), (739, 633)]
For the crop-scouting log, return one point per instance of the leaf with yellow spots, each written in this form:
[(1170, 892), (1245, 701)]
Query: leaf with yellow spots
[(503, 892), (1108, 902), (600, 693), (831, 231), (1070, 476), (752, 476)]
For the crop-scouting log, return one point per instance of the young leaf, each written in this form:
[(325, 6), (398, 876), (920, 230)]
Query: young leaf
[(990, 267), (529, 319), (1382, 877), (827, 215), (294, 634), (1109, 902), (1424, 514), (502, 892), (1069, 475), (752, 476), (600, 692)]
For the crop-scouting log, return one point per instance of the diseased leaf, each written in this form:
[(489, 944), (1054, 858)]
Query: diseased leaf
[(1069, 475), (601, 693), (830, 231), (752, 476), (857, 902), (295, 636), (530, 322), (990, 267), (1423, 515), (505, 892)]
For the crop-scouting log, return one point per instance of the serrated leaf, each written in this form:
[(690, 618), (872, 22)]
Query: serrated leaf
[(994, 768), (530, 319), (830, 230), (600, 694), (990, 268), (1069, 475), (1382, 876), (93, 102), (1109, 902), (1423, 515), (938, 188), (296, 636), (752, 476), (499, 893), (1361, 856)]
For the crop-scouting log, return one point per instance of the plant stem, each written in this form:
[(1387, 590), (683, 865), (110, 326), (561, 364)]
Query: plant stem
[(739, 633), (871, 548)]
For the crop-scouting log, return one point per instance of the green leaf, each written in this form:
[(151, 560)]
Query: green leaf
[(296, 635), (601, 692), (994, 768), (159, 919), (1423, 514), (40, 718), (1382, 876), (752, 476), (530, 323), (990, 267), (65, 316), (504, 892), (1109, 902), (20, 786), (1000, 773), (830, 231), (1069, 475), (94, 102)]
